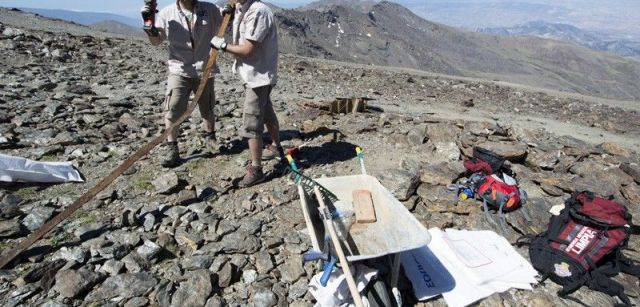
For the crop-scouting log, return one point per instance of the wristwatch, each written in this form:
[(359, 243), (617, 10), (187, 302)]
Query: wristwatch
[(223, 46)]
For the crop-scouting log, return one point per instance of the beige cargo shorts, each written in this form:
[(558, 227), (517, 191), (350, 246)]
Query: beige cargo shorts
[(258, 111), (179, 89)]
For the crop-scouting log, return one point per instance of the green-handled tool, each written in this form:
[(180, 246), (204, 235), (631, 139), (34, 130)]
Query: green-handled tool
[(308, 184), (360, 155)]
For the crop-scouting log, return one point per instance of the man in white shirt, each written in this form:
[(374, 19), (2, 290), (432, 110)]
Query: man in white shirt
[(255, 46), (188, 26)]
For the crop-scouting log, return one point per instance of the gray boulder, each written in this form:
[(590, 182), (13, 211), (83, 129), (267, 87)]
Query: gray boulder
[(37, 217), (264, 298), (71, 283), (401, 183), (632, 170), (124, 286), (166, 183), (194, 291), (512, 151)]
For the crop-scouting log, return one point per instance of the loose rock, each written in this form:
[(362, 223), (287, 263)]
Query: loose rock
[(124, 286), (195, 291)]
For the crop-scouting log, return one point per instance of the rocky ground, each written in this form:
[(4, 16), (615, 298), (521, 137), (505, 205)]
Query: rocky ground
[(187, 236)]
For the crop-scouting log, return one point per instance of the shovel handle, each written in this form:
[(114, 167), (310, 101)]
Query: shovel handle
[(328, 224)]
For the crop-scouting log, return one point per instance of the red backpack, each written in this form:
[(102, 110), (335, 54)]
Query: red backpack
[(499, 195), (583, 246), (487, 184)]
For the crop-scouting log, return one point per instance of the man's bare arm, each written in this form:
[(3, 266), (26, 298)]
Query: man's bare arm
[(243, 51), (158, 39)]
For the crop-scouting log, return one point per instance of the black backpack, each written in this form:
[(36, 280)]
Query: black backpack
[(583, 246)]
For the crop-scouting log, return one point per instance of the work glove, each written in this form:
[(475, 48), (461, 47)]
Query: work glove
[(228, 9), (218, 43)]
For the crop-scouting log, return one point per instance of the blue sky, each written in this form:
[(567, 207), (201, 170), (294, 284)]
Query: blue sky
[(120, 7)]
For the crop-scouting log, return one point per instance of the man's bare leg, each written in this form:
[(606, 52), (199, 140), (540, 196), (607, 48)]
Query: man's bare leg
[(173, 135), (255, 149), (209, 125), (274, 132)]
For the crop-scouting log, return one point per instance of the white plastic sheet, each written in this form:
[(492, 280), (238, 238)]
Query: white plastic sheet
[(480, 262), (17, 169)]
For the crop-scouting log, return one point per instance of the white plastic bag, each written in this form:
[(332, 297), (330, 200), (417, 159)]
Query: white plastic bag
[(17, 169)]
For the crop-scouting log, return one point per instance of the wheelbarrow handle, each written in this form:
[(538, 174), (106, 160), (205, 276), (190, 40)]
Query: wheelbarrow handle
[(292, 164), (353, 288), (360, 155)]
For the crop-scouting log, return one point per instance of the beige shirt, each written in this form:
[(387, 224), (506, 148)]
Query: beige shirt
[(254, 21), (189, 50)]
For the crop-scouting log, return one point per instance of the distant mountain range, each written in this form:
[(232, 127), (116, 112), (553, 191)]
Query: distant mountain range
[(569, 33), (362, 5), (118, 28), (617, 17), (390, 34), (85, 18)]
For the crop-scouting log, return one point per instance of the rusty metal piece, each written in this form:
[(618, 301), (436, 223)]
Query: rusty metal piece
[(340, 105), (348, 105)]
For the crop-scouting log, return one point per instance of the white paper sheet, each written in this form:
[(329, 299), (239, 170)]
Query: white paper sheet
[(480, 263), (506, 268), (17, 169)]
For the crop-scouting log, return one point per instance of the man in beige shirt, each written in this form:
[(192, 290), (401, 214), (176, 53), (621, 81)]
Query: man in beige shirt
[(188, 26), (255, 46)]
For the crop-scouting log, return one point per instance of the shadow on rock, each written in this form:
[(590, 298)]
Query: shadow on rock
[(328, 153)]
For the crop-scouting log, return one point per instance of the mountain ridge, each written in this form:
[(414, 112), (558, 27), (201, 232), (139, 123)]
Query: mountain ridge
[(84, 18), (569, 33), (116, 27), (392, 35)]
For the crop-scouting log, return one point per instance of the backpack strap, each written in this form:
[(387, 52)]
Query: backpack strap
[(524, 240), (573, 287), (486, 209), (628, 266), (586, 220), (557, 223), (603, 283), (487, 216), (634, 229), (503, 219)]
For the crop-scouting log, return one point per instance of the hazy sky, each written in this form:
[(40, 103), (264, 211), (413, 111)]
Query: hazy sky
[(610, 15), (120, 7)]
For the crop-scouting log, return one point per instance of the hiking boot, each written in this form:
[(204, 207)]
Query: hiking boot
[(253, 176), (211, 143), (172, 155), (271, 151)]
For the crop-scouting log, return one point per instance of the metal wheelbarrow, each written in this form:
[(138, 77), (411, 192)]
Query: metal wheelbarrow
[(395, 230)]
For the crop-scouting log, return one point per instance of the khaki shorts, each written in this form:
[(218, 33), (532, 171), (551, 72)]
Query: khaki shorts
[(258, 111), (179, 89)]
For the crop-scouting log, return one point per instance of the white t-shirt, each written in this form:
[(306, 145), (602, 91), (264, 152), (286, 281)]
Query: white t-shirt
[(254, 21), (189, 50)]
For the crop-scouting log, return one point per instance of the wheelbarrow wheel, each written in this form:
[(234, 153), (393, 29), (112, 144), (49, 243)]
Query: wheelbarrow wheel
[(378, 294)]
